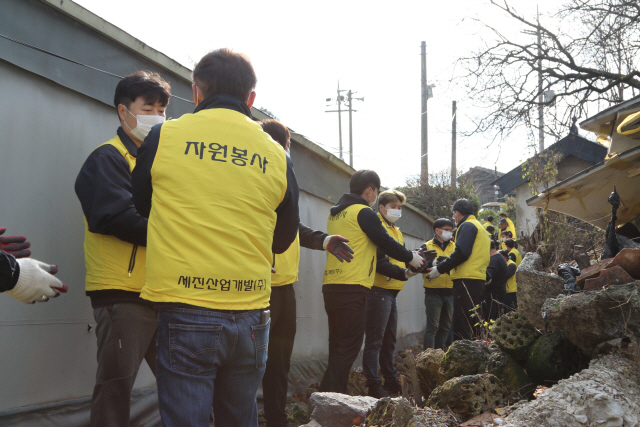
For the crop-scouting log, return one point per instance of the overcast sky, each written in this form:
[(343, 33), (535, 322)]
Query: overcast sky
[(301, 49)]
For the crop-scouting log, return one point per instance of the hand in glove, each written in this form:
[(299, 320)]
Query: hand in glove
[(417, 260), (15, 245), (337, 246), (409, 274), (36, 282), (433, 274)]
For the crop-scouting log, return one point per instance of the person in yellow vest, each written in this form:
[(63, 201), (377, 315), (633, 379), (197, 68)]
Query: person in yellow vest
[(283, 300), (514, 253), (346, 286), (114, 249), (467, 266), (221, 197), (382, 309), (504, 236), (511, 297), (438, 293), (510, 225), (489, 223)]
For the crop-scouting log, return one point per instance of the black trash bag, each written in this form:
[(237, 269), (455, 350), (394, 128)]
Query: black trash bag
[(569, 274)]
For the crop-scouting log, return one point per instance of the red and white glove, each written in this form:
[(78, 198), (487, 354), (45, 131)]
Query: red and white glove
[(36, 282), (337, 246), (14, 245), (417, 260), (433, 274)]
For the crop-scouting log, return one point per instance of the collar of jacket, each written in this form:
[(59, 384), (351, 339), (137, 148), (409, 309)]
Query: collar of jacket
[(386, 220), (442, 245), (347, 200), (230, 102), (463, 220), (131, 146)]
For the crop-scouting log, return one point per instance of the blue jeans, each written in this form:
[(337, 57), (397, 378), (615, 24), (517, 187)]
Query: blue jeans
[(380, 340), (209, 357), (439, 309)]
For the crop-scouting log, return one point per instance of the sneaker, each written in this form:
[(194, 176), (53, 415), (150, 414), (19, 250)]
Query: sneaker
[(377, 391), (393, 387)]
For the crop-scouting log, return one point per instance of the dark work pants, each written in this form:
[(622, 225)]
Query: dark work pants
[(126, 335), (467, 293), (347, 314), (511, 301), (493, 304), (281, 336)]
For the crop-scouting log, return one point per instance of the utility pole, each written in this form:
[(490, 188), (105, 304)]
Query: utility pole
[(340, 120), (349, 99), (340, 99), (424, 152), (540, 94), (454, 172)]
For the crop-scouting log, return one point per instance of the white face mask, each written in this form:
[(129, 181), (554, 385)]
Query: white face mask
[(145, 123), (393, 215), (372, 204), (446, 235), (504, 239)]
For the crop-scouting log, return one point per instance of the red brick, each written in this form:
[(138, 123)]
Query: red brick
[(611, 276), (629, 260), (592, 271)]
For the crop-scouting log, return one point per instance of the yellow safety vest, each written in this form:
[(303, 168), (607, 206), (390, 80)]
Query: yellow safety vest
[(476, 266), (217, 179), (511, 283), (381, 280), (362, 268), (444, 281), (113, 263), (518, 256), (512, 228), (286, 265)]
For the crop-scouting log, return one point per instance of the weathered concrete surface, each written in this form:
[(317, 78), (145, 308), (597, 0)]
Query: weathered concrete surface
[(609, 276), (428, 368), (605, 395), (589, 318), (514, 334), (535, 287), (339, 410)]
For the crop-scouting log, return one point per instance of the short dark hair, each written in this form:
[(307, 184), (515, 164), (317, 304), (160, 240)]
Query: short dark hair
[(495, 244), (504, 253), (223, 71), (363, 179), (503, 215), (442, 222), (507, 232), (279, 132), (491, 229), (146, 84), (510, 243), (489, 218), (464, 206)]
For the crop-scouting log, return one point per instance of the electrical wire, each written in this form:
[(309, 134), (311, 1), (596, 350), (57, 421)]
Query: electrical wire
[(55, 55)]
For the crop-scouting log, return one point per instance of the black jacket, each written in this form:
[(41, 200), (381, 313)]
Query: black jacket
[(498, 273), (287, 212), (9, 271), (465, 238), (370, 223), (310, 238)]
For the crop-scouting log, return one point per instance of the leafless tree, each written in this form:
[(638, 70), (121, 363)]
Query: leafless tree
[(590, 59)]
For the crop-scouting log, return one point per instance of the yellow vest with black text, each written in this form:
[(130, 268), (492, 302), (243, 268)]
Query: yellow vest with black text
[(518, 255), (476, 266), (511, 282), (381, 280), (217, 179), (362, 268), (113, 263), (287, 265), (444, 281)]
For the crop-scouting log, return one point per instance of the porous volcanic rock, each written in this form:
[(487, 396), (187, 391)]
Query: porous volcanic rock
[(535, 287), (589, 318), (552, 359), (513, 377), (515, 334), (428, 368), (390, 412), (464, 357), (469, 395)]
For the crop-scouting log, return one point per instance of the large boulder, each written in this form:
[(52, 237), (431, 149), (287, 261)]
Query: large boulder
[(464, 357), (590, 318), (605, 394), (514, 334), (339, 410), (552, 359), (390, 412), (428, 368), (470, 395), (535, 287), (513, 377)]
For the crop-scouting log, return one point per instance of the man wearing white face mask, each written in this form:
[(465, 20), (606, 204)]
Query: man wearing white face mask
[(115, 249)]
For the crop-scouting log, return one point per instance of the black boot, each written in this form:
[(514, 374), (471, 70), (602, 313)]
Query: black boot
[(376, 390)]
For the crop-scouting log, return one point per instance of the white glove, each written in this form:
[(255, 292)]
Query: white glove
[(417, 260), (409, 274), (433, 274), (36, 282)]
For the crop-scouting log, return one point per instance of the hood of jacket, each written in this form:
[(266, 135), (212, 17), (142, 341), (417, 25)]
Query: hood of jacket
[(347, 200)]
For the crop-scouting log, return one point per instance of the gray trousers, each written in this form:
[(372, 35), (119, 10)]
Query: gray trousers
[(126, 334)]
